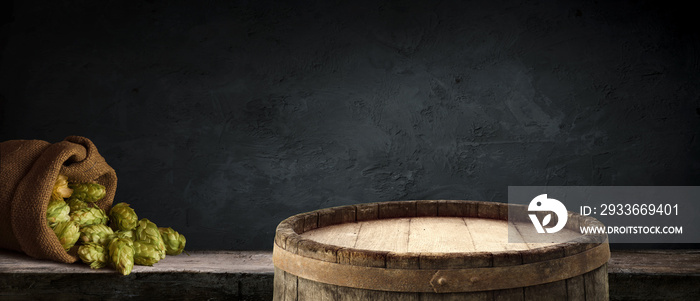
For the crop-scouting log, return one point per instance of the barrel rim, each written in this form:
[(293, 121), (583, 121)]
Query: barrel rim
[(288, 234)]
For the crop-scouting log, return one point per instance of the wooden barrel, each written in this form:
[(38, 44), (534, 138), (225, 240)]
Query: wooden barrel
[(433, 250)]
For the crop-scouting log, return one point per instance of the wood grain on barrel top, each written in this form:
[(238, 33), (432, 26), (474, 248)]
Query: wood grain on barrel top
[(429, 234)]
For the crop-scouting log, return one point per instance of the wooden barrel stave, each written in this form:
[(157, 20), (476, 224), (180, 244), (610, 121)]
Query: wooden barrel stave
[(591, 286)]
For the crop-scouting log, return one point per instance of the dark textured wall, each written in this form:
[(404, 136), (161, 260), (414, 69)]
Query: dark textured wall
[(222, 118)]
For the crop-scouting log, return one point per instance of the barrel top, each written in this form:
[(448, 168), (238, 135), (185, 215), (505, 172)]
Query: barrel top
[(430, 235), (432, 246)]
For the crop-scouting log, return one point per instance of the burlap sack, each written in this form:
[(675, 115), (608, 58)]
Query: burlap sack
[(28, 171)]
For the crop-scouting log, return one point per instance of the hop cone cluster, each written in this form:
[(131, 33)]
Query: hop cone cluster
[(96, 255), (60, 188), (98, 234), (125, 242), (56, 212), (89, 216), (122, 217), (147, 232), (121, 255), (88, 192), (76, 204), (68, 233), (174, 242)]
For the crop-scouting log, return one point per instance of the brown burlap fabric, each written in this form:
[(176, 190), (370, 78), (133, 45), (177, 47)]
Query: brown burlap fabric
[(28, 171)]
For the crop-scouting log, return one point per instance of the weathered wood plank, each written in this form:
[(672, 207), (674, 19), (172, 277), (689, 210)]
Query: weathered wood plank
[(308, 290), (655, 262), (457, 208), (488, 210), (313, 249), (279, 286), (427, 208), (490, 235), (310, 221), (402, 260), (198, 261), (362, 257), (344, 235), (548, 291), (633, 275), (513, 294), (336, 215), (291, 292), (397, 209), (384, 235), (353, 294), (596, 284), (575, 288), (435, 235), (366, 212), (476, 296)]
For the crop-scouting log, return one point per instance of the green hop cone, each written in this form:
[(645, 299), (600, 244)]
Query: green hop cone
[(122, 217), (89, 216), (57, 211), (145, 253), (76, 204), (174, 242), (87, 192), (121, 255), (60, 188), (68, 233), (125, 234), (147, 232), (96, 255), (98, 234)]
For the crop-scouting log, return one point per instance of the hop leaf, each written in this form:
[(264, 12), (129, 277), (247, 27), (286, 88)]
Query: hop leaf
[(97, 234), (174, 242), (88, 192), (89, 216), (60, 188), (147, 232), (122, 217), (121, 255), (145, 253), (76, 204), (96, 255), (57, 211), (68, 233)]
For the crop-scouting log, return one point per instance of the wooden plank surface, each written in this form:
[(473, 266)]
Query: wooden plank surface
[(659, 262), (439, 235), (431, 234), (633, 275), (383, 235), (575, 288), (596, 284), (643, 262), (229, 262), (491, 235), (308, 290), (343, 235)]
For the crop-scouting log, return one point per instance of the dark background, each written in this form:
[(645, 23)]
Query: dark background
[(222, 118)]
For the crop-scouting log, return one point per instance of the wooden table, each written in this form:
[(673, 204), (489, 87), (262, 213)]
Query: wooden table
[(248, 275)]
